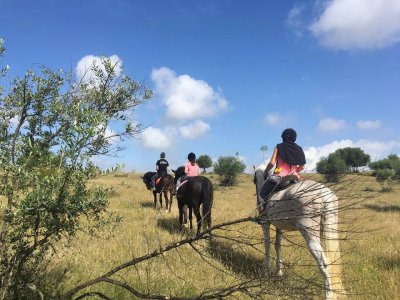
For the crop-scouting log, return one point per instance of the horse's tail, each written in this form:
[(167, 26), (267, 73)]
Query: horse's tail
[(207, 198), (330, 236)]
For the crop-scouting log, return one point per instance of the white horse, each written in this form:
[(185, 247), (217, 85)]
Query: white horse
[(311, 208)]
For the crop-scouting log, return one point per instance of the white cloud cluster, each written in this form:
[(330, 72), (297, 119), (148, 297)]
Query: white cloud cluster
[(83, 69), (187, 98), (358, 24), (294, 20), (377, 150), (368, 124), (330, 125), (157, 138), (188, 101), (194, 130)]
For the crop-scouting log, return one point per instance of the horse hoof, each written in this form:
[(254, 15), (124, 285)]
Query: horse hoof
[(279, 273)]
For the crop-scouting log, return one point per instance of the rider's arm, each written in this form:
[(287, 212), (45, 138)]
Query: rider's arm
[(272, 162)]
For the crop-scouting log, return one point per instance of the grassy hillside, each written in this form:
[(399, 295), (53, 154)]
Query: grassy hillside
[(370, 221)]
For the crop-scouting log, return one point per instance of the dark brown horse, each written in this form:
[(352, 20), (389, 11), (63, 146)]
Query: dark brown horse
[(164, 185), (198, 190)]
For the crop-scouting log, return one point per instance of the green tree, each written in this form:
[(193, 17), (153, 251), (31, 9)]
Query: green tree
[(392, 162), (50, 127), (387, 171), (385, 177), (332, 167), (228, 168), (204, 162), (353, 157)]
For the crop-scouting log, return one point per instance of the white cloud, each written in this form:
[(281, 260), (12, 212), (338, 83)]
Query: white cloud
[(108, 134), (83, 68), (14, 121), (358, 24), (368, 124), (194, 130), (157, 138), (185, 97), (272, 119), (330, 124), (294, 20), (376, 149)]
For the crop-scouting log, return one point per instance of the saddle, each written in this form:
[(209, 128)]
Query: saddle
[(286, 182), (273, 187)]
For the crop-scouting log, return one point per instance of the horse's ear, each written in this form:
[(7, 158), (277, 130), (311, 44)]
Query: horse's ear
[(254, 167)]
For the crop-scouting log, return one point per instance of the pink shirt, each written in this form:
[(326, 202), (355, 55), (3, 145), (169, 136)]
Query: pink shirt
[(285, 169), (191, 170)]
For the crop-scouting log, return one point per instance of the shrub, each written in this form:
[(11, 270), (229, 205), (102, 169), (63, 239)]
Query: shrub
[(228, 168), (333, 167)]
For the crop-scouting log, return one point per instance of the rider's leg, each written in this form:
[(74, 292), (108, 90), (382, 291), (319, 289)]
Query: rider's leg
[(153, 181)]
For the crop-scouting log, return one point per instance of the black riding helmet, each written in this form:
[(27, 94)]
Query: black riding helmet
[(162, 155), (289, 135), (191, 156)]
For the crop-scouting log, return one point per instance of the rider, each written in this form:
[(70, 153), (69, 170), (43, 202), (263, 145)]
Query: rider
[(161, 167), (191, 169), (289, 159)]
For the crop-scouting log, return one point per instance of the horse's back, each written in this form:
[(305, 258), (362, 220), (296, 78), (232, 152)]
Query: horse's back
[(299, 205)]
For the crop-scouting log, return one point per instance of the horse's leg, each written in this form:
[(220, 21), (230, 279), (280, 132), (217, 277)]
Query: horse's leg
[(190, 217), (161, 199), (185, 212), (198, 218), (267, 244), (181, 208), (155, 199), (315, 247), (278, 241), (171, 195), (166, 200)]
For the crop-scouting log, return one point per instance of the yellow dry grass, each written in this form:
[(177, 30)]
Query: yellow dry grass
[(371, 258)]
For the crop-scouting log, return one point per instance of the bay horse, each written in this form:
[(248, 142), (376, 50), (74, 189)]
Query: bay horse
[(164, 184), (311, 208), (196, 191)]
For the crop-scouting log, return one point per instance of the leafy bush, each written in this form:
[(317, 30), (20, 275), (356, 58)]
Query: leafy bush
[(228, 168), (387, 171), (333, 167), (50, 129), (204, 162)]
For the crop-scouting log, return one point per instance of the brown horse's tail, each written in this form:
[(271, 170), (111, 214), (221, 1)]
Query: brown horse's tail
[(207, 197)]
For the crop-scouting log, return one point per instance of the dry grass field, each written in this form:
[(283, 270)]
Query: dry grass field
[(370, 223)]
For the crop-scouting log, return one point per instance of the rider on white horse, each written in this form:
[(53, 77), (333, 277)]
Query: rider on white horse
[(289, 159)]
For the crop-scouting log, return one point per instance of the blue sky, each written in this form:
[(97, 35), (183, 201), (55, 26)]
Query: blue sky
[(229, 75)]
